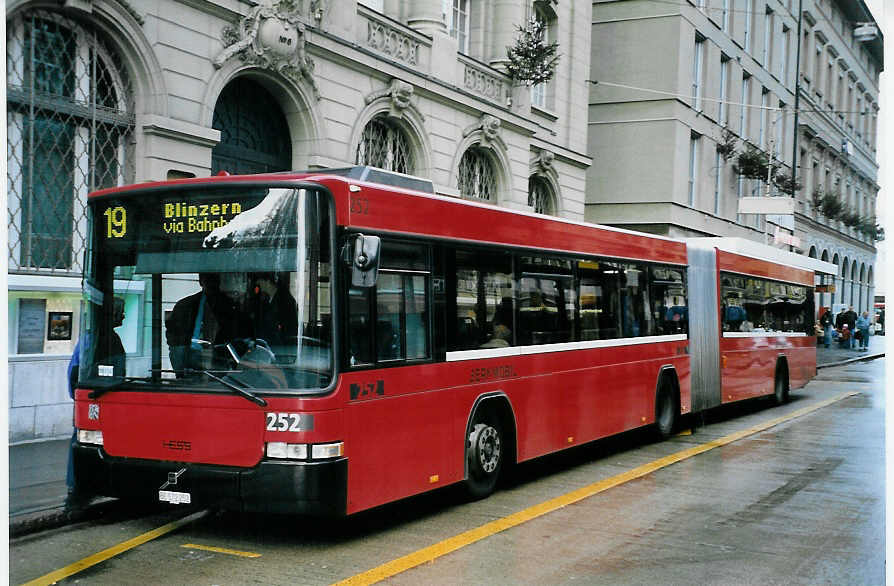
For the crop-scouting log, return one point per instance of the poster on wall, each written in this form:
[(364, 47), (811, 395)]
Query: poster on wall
[(32, 320), (60, 325)]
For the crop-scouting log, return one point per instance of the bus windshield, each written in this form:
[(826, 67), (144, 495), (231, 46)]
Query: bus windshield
[(226, 289)]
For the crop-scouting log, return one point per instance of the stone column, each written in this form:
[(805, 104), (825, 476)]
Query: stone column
[(426, 17), (508, 15)]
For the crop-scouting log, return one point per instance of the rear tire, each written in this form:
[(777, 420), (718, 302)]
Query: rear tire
[(666, 412), (484, 456), (780, 390)]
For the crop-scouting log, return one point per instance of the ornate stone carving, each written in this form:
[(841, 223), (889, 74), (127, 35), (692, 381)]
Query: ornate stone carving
[(489, 127), (484, 83), (543, 163), (271, 36), (401, 94), (392, 42)]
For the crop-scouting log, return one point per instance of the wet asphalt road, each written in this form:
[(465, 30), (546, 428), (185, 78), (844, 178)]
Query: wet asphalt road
[(799, 503)]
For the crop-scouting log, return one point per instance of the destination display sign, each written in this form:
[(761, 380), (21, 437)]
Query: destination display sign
[(185, 221), (195, 217)]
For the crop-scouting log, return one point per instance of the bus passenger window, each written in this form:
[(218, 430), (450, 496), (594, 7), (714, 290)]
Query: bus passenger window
[(482, 316), (359, 335), (401, 307), (667, 291), (545, 301), (634, 301), (599, 300)]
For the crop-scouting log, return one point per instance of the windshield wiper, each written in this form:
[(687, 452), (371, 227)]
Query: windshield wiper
[(100, 391), (242, 391)]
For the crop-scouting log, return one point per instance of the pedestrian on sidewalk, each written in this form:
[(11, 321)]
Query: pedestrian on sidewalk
[(845, 338), (826, 324), (113, 353), (848, 318), (75, 500), (863, 326)]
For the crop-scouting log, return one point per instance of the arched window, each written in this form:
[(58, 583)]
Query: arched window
[(540, 196), (69, 131), (384, 145), (477, 176), (254, 135), (812, 253)]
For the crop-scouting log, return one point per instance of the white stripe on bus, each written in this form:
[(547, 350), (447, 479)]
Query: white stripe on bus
[(772, 334), (561, 347)]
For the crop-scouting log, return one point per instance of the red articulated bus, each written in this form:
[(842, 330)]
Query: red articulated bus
[(326, 342)]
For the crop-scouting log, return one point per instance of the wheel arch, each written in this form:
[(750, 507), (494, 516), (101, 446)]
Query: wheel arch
[(667, 375), (497, 403)]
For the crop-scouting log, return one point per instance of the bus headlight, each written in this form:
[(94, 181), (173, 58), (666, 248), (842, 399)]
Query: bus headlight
[(284, 451), (90, 436)]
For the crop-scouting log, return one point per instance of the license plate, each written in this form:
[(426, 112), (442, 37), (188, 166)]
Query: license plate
[(175, 498)]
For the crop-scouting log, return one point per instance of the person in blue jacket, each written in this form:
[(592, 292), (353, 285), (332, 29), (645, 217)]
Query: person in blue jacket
[(77, 499)]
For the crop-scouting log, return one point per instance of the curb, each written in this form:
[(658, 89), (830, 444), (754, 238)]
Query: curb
[(851, 360), (55, 517)]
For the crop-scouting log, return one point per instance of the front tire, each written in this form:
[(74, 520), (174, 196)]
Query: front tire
[(484, 457)]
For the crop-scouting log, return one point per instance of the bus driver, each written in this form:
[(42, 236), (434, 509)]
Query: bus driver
[(206, 319)]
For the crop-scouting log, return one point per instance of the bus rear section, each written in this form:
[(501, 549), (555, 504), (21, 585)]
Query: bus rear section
[(760, 338)]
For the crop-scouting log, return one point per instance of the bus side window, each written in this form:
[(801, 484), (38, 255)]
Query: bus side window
[(546, 301), (667, 290), (402, 329), (483, 315), (359, 335), (599, 300)]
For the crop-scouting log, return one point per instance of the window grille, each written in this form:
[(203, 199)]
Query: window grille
[(540, 196), (385, 146), (477, 178), (69, 131), (254, 134)]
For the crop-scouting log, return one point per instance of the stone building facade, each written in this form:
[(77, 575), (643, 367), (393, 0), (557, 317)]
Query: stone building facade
[(106, 92), (668, 119)]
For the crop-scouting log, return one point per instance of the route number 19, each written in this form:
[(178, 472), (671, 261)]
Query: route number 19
[(116, 222)]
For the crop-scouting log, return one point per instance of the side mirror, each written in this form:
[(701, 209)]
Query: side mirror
[(365, 260)]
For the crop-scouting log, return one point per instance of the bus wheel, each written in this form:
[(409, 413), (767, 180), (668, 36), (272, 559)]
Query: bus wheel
[(484, 454), (780, 390), (665, 412)]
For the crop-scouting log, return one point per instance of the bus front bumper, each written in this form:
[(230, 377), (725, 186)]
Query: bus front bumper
[(305, 488)]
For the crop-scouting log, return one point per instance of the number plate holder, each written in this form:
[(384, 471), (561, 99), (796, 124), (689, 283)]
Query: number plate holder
[(174, 497)]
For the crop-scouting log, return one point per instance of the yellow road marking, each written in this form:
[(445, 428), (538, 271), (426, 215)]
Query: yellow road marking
[(456, 542), (105, 554), (245, 554)]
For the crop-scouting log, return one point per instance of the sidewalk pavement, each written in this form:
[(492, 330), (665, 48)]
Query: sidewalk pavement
[(37, 470)]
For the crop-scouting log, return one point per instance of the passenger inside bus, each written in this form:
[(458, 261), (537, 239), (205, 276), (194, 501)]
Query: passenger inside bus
[(109, 349), (274, 312)]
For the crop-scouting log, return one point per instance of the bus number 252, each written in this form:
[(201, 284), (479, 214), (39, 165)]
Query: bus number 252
[(288, 422)]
